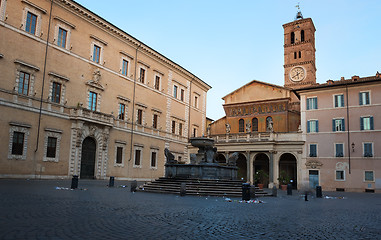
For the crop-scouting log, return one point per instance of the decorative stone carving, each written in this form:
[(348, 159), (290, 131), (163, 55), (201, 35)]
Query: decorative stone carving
[(232, 161), (270, 127), (342, 165), (248, 126), (169, 156), (313, 164), (227, 127)]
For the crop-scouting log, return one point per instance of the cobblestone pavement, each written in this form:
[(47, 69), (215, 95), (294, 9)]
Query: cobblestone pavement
[(36, 209)]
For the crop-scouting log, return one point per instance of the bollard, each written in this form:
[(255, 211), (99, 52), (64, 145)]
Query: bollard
[(134, 185), (275, 191), (289, 189), (246, 191), (183, 189), (111, 182), (252, 192), (74, 182), (306, 196), (319, 193)]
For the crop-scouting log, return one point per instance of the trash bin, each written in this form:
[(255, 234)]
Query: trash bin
[(319, 193), (246, 191), (134, 185), (74, 182), (111, 182)]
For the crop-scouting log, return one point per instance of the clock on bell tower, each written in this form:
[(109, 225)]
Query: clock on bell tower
[(299, 53)]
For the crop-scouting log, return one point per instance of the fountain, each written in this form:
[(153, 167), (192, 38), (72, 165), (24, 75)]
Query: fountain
[(203, 164)]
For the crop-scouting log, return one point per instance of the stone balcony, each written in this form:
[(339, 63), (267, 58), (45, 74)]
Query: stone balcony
[(91, 116), (257, 137)]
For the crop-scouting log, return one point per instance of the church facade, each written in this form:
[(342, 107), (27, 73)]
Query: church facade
[(79, 96)]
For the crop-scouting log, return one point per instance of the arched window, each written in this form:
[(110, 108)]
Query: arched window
[(269, 124), (294, 55), (254, 124), (292, 37), (302, 36), (241, 125), (300, 54)]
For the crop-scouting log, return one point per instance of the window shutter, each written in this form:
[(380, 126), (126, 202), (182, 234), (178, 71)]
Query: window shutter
[(361, 123), (333, 125), (317, 126), (342, 100), (371, 123), (343, 124), (308, 103), (367, 98), (308, 126), (336, 102), (313, 150), (360, 99), (315, 103)]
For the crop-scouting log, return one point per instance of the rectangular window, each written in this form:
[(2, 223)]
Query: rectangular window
[(157, 83), (92, 101), (138, 153), (174, 91), (182, 94), (96, 54), (31, 23), (62, 35), (339, 100), (142, 75), (119, 155), (194, 132), (364, 98), (140, 117), (340, 175), (180, 129), (313, 150), (173, 127), (18, 143), (369, 176), (23, 87), (339, 150), (366, 123), (122, 111), (312, 103), (195, 101), (368, 149), (52, 147), (56, 92), (125, 67), (338, 125), (312, 126), (154, 121), (153, 159)]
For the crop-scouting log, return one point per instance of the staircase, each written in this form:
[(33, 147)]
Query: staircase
[(196, 187)]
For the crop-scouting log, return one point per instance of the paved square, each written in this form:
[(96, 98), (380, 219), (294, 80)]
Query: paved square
[(37, 209)]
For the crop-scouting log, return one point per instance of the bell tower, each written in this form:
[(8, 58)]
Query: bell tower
[(299, 52)]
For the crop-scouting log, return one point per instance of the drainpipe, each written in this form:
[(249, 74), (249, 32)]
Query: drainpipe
[(133, 102), (348, 133), (190, 105), (43, 78)]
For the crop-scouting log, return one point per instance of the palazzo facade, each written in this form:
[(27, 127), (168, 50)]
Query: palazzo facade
[(79, 96)]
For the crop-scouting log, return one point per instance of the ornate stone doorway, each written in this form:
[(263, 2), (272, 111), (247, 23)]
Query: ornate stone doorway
[(88, 158), (287, 163), (242, 167), (261, 162)]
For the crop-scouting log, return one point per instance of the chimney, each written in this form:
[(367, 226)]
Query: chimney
[(342, 79), (355, 78), (329, 82)]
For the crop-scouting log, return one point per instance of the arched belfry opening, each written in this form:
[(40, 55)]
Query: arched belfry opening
[(88, 158), (287, 165)]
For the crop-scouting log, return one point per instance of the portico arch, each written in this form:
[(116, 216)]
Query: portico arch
[(221, 159), (242, 167), (288, 164), (261, 162)]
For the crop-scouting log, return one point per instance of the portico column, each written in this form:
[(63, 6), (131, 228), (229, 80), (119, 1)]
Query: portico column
[(248, 170), (271, 169), (251, 169)]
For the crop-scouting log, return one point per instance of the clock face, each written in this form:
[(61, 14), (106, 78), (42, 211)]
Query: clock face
[(297, 74)]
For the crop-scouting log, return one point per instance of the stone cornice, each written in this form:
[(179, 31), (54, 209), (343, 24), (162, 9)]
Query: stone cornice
[(300, 43), (300, 21), (35, 6), (64, 21), (300, 63), (115, 31)]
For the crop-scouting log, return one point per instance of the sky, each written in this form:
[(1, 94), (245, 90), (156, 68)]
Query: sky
[(230, 43)]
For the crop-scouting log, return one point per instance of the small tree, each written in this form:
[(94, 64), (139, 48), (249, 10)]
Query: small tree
[(283, 179), (261, 176)]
